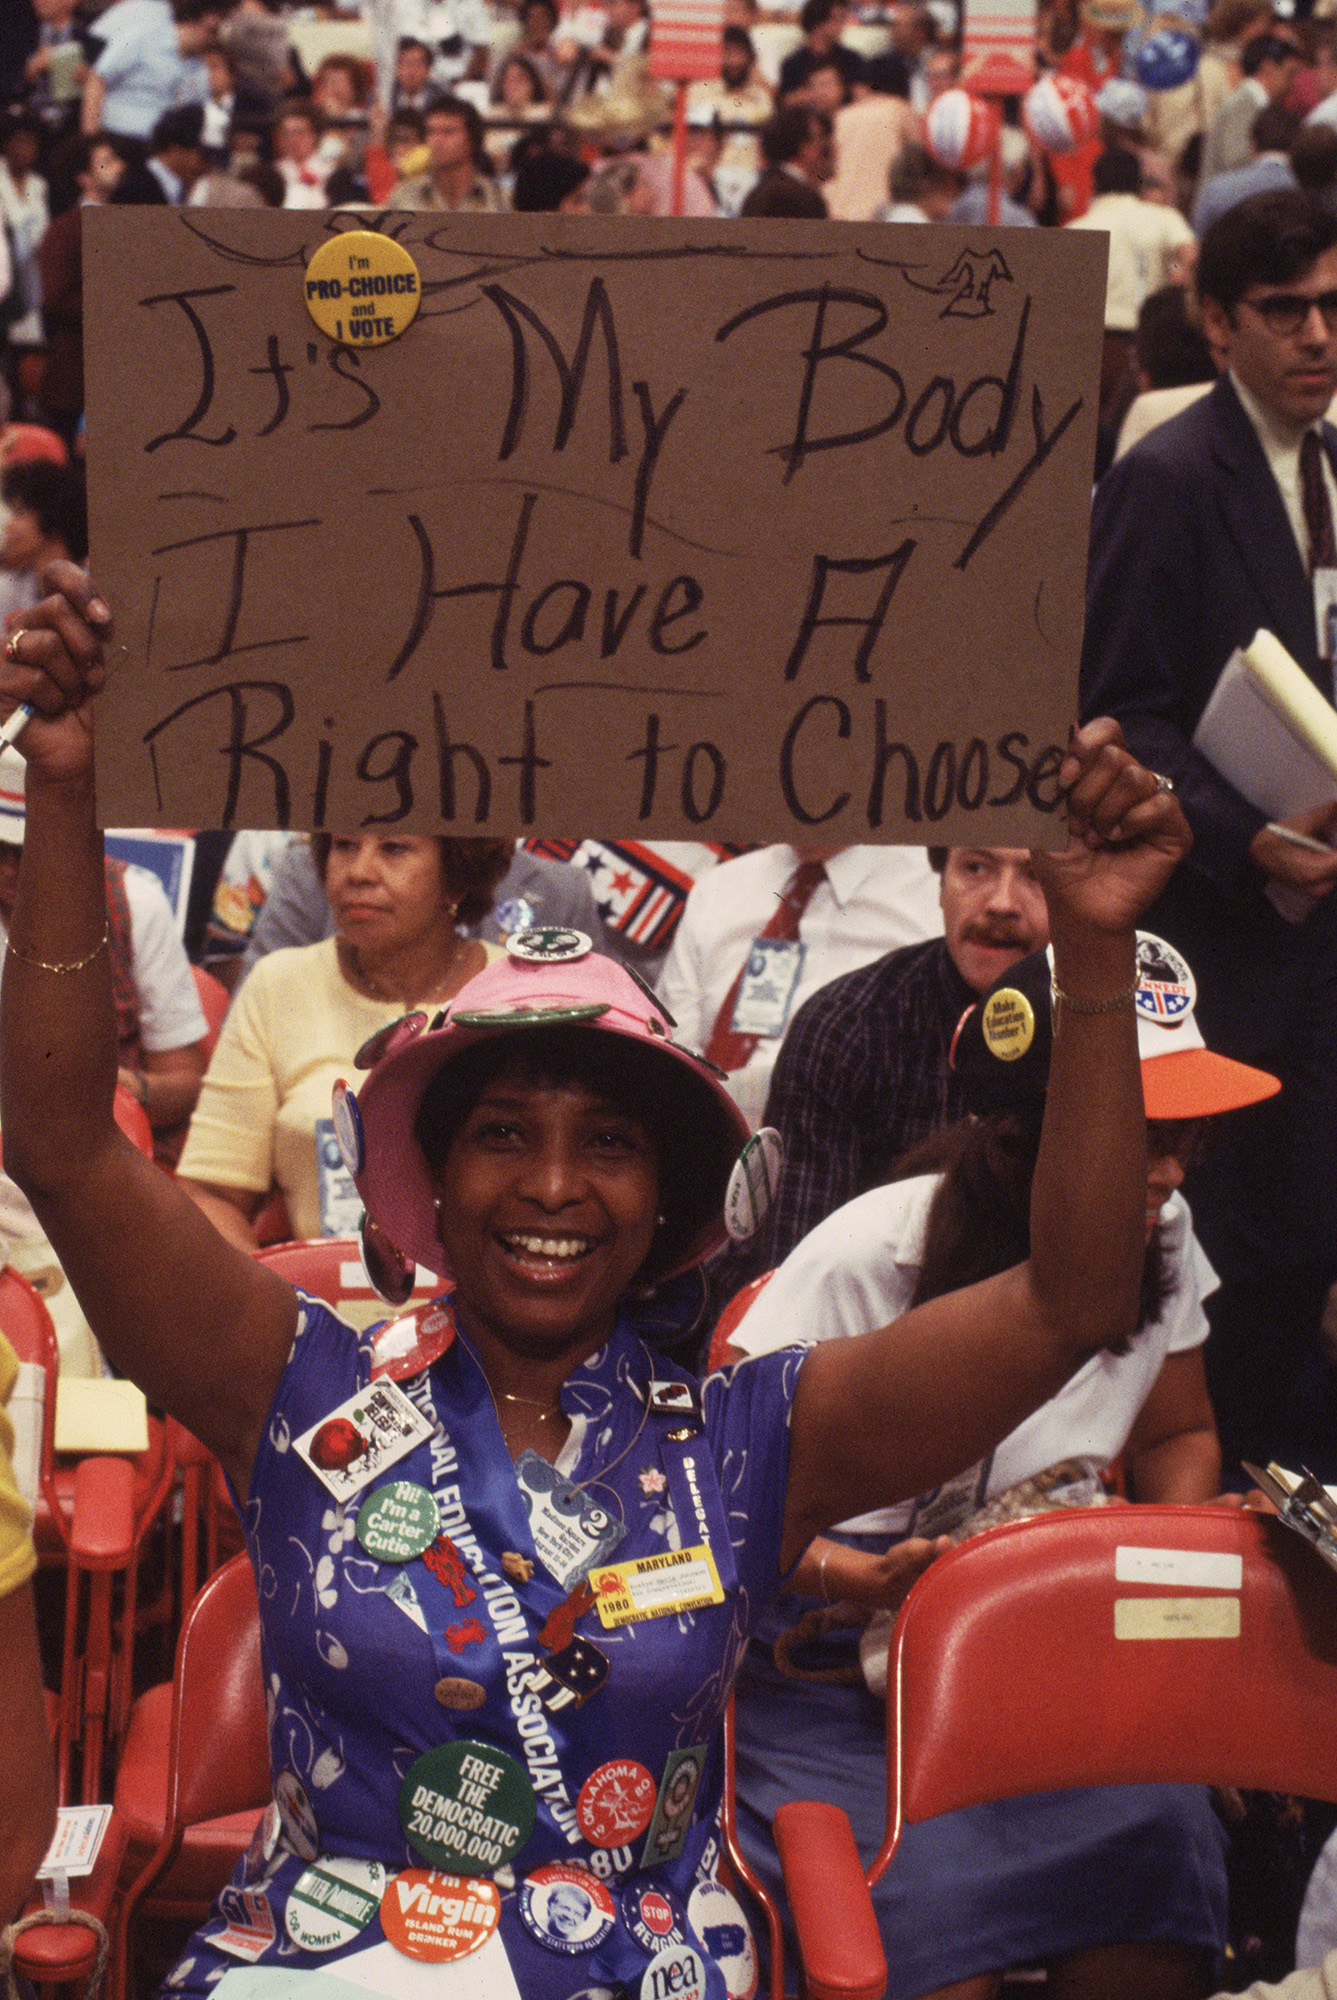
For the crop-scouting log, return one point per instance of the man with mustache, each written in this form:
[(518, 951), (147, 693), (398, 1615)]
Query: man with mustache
[(863, 1070)]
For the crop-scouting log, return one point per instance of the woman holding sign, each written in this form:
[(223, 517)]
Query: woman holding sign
[(507, 1557)]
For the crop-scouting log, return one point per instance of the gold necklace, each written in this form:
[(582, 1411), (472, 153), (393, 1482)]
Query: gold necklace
[(545, 1410), (375, 990)]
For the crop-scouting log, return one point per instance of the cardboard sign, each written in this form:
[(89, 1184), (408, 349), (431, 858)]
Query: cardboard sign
[(719, 530)]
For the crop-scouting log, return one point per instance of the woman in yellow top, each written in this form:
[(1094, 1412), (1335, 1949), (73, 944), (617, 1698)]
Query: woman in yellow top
[(263, 1118)]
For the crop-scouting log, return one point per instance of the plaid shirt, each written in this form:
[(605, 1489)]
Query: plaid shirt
[(862, 1074)]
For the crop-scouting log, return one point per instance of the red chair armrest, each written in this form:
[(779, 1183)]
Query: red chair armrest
[(102, 1534), (838, 1938)]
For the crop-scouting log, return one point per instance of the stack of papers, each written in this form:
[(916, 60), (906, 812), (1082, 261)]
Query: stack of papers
[(1269, 732)]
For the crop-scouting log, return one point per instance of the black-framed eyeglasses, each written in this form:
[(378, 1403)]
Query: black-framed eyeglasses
[(1285, 313)]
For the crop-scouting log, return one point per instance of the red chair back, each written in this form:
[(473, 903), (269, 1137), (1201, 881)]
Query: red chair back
[(215, 1000), (1114, 1646), (133, 1120), (1101, 1646), (330, 1267), (219, 1752), (216, 1753), (729, 1318)]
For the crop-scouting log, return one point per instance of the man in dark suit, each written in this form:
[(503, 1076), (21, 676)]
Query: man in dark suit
[(796, 155), (1217, 524)]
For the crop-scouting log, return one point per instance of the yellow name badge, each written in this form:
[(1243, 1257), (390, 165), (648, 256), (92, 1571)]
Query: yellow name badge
[(655, 1586)]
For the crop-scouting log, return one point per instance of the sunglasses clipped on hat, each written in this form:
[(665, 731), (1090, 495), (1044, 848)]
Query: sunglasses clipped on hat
[(1002, 1044)]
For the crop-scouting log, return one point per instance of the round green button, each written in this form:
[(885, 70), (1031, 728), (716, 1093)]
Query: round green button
[(398, 1521), (466, 1804)]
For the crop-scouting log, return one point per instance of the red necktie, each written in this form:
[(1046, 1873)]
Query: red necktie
[(1317, 511), (726, 1049)]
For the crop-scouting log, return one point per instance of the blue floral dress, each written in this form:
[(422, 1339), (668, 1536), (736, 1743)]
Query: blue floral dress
[(594, 1739)]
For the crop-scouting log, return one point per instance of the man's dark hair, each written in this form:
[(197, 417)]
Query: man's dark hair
[(816, 14), (544, 181), (408, 120), (1171, 348), (460, 107), (1265, 47), (182, 125), (1314, 157), (185, 11), (739, 38), (1275, 128), (1267, 240), (55, 494), (1117, 171), (783, 136), (407, 42)]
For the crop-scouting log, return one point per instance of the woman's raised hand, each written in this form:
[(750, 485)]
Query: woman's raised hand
[(54, 661), (1127, 835)]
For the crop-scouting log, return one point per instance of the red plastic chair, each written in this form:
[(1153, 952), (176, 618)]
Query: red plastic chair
[(330, 1267), (194, 1769), (215, 1000), (738, 1866), (1038, 1657), (729, 1318), (97, 1541), (65, 1955), (133, 1120)]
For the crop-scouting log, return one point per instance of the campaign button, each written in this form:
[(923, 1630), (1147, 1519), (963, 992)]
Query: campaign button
[(616, 1802), (550, 945), (653, 1915), (398, 1521), (361, 288), (454, 1691), (348, 1128), (298, 1815), (437, 1917), (717, 1918), (1007, 1022), (566, 1908), (248, 1924), (466, 1802), (330, 1904), (679, 1973), (753, 1184)]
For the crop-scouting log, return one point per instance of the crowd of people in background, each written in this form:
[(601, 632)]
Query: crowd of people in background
[(483, 105)]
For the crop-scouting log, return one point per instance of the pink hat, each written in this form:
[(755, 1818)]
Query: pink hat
[(549, 979)]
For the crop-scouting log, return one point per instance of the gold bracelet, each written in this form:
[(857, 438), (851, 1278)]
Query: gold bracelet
[(1075, 1006), (74, 965)]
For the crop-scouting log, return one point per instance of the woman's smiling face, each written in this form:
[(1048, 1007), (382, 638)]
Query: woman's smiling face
[(547, 1199)]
